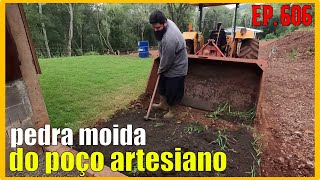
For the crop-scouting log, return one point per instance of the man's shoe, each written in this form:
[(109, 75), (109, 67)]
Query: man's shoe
[(162, 105), (171, 113)]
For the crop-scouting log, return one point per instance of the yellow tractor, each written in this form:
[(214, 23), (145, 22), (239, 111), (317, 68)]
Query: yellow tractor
[(243, 45)]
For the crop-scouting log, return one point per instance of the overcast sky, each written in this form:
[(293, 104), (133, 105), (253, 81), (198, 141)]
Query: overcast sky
[(231, 6)]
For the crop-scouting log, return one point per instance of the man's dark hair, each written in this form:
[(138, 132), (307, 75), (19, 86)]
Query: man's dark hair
[(157, 17)]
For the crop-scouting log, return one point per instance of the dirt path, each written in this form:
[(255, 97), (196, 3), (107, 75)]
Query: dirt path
[(288, 128), (152, 54), (185, 133)]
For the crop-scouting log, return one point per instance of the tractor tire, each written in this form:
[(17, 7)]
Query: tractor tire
[(249, 49)]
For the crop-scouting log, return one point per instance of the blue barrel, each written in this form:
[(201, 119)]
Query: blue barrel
[(143, 48)]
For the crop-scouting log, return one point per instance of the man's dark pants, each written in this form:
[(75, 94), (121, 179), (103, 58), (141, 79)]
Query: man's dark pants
[(172, 88)]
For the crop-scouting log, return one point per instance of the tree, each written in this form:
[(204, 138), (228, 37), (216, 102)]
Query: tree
[(141, 13), (216, 14), (79, 20), (70, 10), (100, 18), (178, 13), (44, 31)]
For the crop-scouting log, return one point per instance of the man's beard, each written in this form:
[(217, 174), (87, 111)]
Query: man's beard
[(159, 34)]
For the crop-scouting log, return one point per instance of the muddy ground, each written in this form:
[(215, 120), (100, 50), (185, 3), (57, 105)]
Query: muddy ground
[(288, 125), (185, 133)]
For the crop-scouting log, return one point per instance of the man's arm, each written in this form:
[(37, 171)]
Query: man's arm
[(167, 56)]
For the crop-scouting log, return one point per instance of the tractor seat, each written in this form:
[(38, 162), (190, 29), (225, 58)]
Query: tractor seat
[(222, 37)]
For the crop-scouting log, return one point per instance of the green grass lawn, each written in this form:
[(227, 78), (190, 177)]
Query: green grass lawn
[(79, 91)]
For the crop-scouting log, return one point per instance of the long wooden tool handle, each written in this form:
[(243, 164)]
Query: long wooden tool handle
[(152, 98)]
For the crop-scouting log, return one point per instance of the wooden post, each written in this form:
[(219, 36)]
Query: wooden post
[(24, 46)]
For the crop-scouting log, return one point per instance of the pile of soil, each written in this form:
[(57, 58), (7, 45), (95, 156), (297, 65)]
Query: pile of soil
[(288, 124), (294, 46), (166, 135)]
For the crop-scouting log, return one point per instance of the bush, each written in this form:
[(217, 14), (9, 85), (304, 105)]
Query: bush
[(293, 28), (78, 52), (270, 36), (40, 55), (91, 53)]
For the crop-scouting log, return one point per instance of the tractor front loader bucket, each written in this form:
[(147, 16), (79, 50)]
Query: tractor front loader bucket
[(213, 81)]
